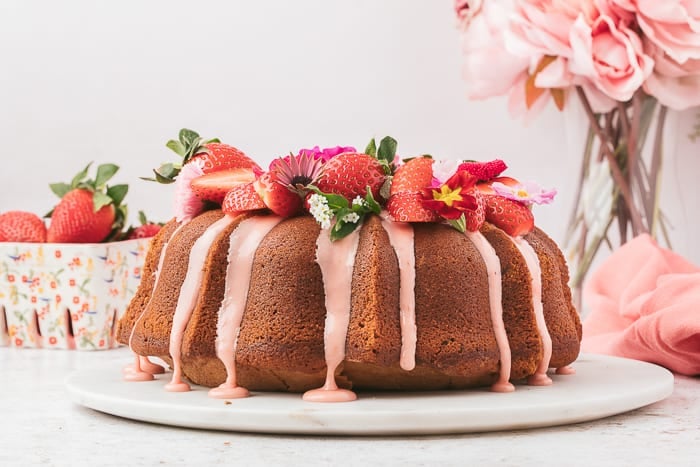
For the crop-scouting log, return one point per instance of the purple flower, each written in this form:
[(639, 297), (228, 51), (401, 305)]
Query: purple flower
[(526, 192)]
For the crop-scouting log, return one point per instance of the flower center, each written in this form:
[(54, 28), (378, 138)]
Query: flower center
[(448, 195), (302, 180)]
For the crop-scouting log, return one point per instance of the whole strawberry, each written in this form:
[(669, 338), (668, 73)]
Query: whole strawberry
[(20, 226), (350, 174), (147, 229), (89, 210)]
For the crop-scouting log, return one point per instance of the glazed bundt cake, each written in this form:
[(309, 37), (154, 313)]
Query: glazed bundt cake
[(446, 285)]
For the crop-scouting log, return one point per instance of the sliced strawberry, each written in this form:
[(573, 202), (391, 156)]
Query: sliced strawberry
[(242, 198), (349, 174), (21, 226), (276, 196), (414, 175), (475, 218), (484, 171), (214, 186), (486, 188), (220, 156), (408, 207), (512, 217)]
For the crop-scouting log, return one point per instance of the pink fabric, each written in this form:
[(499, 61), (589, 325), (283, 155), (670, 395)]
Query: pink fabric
[(645, 304)]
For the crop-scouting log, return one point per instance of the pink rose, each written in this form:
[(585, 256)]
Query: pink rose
[(673, 84), (673, 25), (488, 68), (610, 55)]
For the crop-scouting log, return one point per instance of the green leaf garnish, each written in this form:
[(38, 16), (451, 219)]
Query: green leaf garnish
[(387, 149), (80, 176), (100, 200), (176, 146)]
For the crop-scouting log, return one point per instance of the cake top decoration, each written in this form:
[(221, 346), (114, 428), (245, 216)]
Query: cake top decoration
[(339, 186)]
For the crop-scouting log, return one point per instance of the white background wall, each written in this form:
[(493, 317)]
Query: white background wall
[(111, 81)]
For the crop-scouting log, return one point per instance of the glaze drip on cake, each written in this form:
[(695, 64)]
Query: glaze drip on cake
[(188, 298), (336, 262), (244, 243), (401, 239)]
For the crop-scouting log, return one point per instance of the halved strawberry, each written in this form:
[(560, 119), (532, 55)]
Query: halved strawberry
[(242, 198), (475, 218), (219, 156), (484, 171), (407, 206), (414, 175), (486, 189), (512, 217), (214, 186), (349, 174), (276, 196)]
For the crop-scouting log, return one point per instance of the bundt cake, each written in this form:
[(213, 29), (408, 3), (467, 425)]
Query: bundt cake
[(446, 285)]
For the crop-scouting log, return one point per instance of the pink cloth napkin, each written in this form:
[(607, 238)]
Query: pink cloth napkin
[(645, 304)]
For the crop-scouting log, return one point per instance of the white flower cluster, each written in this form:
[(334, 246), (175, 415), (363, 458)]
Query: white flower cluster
[(358, 201), (318, 207), (351, 217)]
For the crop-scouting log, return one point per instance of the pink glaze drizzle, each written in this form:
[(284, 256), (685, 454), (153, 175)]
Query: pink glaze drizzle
[(245, 240), (401, 239), (565, 370), (337, 261), (540, 377), (143, 369), (493, 271), (189, 293)]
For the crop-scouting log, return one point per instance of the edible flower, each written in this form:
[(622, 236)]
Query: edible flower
[(443, 169), (453, 198), (297, 172), (326, 154), (526, 192), (187, 204)]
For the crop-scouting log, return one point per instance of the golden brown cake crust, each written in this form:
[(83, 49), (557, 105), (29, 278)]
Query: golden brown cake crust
[(145, 289), (152, 331), (559, 313)]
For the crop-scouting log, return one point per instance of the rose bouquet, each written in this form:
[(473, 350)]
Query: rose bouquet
[(626, 62)]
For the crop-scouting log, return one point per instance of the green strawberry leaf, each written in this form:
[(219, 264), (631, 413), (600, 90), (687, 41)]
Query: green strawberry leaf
[(188, 137), (371, 149), (104, 173), (80, 176), (176, 146), (142, 218), (100, 200), (387, 149), (459, 224), (60, 189), (117, 193)]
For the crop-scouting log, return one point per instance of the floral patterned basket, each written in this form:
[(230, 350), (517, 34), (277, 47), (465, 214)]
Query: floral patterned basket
[(66, 296)]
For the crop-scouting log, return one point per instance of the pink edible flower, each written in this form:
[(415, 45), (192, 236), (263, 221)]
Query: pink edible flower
[(326, 154), (187, 203), (525, 192)]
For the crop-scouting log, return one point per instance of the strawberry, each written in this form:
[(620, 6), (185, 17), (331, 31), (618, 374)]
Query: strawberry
[(20, 226), (475, 218), (211, 155), (407, 206), (276, 196), (89, 210), (484, 171), (213, 186), (414, 175), (242, 198), (145, 230), (512, 217), (486, 189), (349, 174)]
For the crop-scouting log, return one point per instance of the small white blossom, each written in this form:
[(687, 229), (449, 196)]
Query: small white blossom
[(352, 217), (318, 207), (358, 201)]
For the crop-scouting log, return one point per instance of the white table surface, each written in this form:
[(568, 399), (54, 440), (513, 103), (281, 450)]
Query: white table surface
[(40, 426)]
